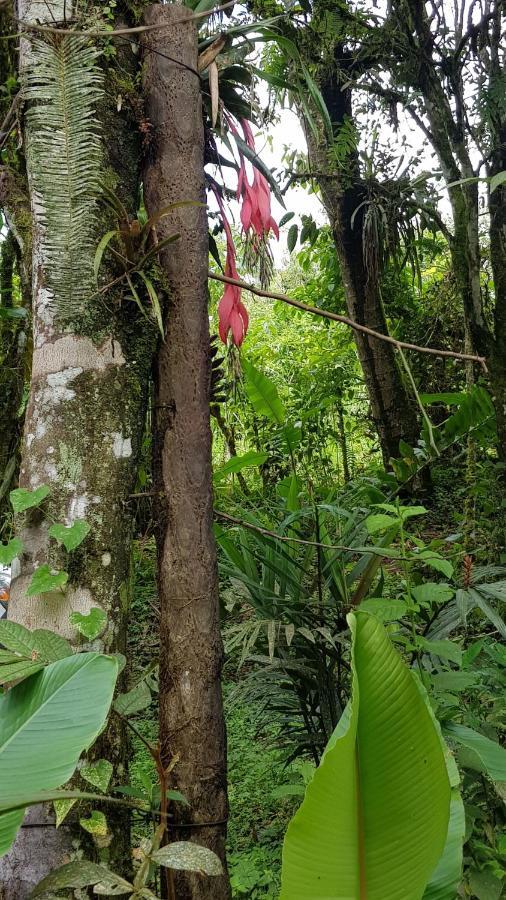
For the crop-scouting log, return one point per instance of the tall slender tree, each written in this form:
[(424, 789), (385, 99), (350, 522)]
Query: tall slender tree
[(192, 731), (91, 361)]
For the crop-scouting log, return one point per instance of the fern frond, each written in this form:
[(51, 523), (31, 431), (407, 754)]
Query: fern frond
[(63, 85)]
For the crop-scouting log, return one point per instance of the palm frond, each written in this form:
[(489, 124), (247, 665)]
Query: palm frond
[(63, 86)]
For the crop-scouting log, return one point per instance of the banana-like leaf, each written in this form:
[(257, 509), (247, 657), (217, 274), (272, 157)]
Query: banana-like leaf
[(447, 875), (262, 393), (45, 724), (374, 820)]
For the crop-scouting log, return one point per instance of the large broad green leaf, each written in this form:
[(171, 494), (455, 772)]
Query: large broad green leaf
[(262, 393), (374, 821), (238, 463), (491, 756), (45, 724)]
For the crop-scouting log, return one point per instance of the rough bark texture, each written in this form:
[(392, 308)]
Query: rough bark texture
[(191, 713), (83, 430)]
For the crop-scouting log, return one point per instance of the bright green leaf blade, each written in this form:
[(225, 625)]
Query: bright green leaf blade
[(238, 463), (90, 625), (62, 809), (185, 855), (262, 393), (95, 824), (21, 499), (492, 755), (9, 551), (72, 535), (44, 581), (104, 241), (387, 753), (45, 724)]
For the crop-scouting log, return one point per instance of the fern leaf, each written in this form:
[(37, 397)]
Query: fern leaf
[(63, 85)]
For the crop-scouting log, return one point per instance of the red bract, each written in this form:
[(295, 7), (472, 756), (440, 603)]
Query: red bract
[(256, 197), (232, 313)]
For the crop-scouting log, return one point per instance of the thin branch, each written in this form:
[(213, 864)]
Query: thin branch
[(117, 32), (346, 321), (474, 30), (383, 552)]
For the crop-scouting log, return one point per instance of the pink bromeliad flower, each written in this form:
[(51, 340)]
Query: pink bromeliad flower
[(256, 198), (257, 222), (232, 313)]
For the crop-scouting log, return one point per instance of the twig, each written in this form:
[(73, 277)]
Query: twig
[(117, 32), (315, 310)]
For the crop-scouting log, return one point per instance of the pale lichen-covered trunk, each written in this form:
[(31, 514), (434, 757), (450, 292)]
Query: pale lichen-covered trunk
[(83, 430), (192, 729)]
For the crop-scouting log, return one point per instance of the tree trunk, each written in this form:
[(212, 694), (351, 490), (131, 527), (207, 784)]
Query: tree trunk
[(191, 715), (392, 408), (83, 431)]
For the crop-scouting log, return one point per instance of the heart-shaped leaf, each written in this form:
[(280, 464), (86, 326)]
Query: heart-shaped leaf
[(45, 580), (98, 774), (70, 535), (9, 551), (21, 499), (90, 625), (95, 824)]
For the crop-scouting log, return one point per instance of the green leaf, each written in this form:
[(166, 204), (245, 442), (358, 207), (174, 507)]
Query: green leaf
[(432, 592), (62, 809), (28, 651), (133, 701), (436, 562), (81, 874), (384, 610), (286, 218), (238, 463), (45, 724), (446, 878), (98, 774), (70, 535), (289, 790), (90, 625), (9, 551), (454, 681), (375, 817), (490, 754), (496, 181), (96, 823), (155, 302), (21, 499), (104, 241), (291, 240), (444, 649), (485, 885), (44, 580), (262, 393), (378, 522), (188, 856)]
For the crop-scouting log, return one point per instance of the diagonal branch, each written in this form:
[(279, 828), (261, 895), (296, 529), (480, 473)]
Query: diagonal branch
[(335, 317)]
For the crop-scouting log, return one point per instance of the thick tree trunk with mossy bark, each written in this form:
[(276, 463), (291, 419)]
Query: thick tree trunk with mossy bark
[(91, 362), (192, 731)]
